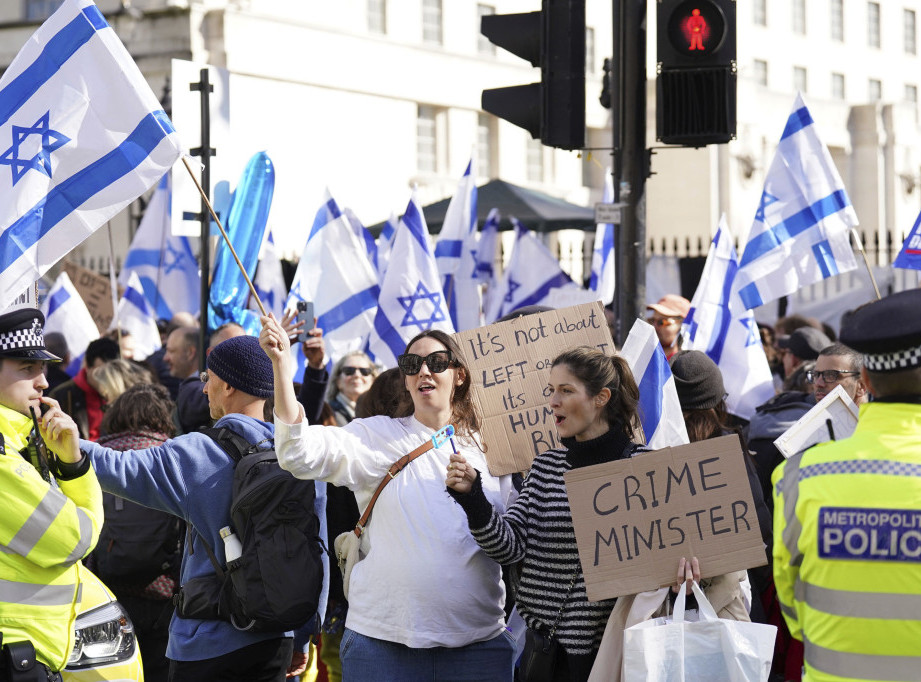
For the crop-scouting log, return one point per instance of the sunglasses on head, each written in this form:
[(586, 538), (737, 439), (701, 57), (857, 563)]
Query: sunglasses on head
[(349, 371), (437, 362)]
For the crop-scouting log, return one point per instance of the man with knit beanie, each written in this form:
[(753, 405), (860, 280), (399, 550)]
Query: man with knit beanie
[(191, 476)]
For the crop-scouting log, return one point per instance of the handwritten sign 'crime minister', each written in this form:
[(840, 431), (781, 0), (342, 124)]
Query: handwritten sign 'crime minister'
[(510, 367), (635, 518)]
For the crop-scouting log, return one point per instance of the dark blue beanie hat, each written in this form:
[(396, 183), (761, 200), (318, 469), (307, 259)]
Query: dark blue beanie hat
[(241, 362)]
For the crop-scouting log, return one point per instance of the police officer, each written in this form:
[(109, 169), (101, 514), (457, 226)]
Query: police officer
[(50, 508), (847, 515)]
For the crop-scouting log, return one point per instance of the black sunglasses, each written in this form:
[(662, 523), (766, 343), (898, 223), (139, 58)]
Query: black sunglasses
[(349, 371), (437, 362)]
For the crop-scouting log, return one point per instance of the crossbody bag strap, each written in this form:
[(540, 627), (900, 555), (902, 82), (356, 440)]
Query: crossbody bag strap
[(435, 441)]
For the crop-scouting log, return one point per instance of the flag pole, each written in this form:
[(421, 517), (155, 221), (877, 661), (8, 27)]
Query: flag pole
[(113, 285), (217, 220), (866, 261)]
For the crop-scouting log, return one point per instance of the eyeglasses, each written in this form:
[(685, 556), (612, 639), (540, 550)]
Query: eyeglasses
[(663, 321), (437, 362), (349, 371), (829, 376), (203, 377)]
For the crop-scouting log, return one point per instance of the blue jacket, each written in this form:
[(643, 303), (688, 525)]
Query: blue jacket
[(190, 476)]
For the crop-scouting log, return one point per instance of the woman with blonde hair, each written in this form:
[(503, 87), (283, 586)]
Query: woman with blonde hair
[(117, 376)]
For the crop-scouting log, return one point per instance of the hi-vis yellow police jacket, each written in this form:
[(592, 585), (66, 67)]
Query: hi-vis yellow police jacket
[(847, 548), (44, 531)]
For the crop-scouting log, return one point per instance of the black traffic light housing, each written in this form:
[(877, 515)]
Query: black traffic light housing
[(697, 72), (553, 39)]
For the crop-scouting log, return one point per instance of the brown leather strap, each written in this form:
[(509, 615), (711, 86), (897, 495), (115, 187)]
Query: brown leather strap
[(395, 468)]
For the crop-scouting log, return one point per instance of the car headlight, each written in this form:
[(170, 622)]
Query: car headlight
[(103, 635)]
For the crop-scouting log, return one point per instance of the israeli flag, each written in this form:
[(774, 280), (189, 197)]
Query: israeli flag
[(166, 265), (269, 281), (411, 299), (454, 255), (81, 137), (363, 233), (385, 244), (66, 313), (722, 327), (136, 316), (801, 227), (602, 277), (334, 272), (531, 276), (910, 255), (660, 410), (485, 255)]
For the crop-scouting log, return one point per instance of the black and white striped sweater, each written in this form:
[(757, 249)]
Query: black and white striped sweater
[(537, 531)]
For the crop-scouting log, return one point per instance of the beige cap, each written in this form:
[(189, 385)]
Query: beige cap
[(671, 305)]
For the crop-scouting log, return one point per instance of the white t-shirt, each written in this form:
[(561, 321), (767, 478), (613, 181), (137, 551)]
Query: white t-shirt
[(424, 581)]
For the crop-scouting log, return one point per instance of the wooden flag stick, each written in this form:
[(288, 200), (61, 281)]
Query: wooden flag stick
[(217, 220), (866, 261)]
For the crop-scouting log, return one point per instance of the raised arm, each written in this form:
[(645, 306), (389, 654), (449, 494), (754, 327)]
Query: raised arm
[(274, 341)]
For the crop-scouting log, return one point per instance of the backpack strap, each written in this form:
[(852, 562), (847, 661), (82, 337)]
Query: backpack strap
[(232, 442)]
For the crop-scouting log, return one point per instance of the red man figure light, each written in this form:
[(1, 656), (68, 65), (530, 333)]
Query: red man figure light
[(696, 30)]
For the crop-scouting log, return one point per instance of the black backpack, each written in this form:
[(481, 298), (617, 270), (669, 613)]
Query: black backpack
[(276, 583)]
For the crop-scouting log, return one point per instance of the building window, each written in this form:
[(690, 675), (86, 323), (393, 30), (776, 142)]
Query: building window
[(875, 90), (760, 72), (431, 22), (37, 10), (837, 86), (426, 140), (799, 78), (911, 33), (535, 161), (759, 12), (483, 46), (377, 16), (873, 24), (799, 17), (590, 50), (837, 20), (485, 133)]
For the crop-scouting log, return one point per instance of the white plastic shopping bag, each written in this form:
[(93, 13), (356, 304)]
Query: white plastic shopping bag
[(711, 650)]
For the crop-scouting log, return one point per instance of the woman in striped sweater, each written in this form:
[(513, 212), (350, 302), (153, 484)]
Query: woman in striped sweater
[(594, 401)]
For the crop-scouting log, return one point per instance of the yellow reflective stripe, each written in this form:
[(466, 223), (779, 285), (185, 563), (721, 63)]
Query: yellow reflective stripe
[(29, 594), (38, 522), (861, 666), (881, 605), (86, 537), (789, 488)]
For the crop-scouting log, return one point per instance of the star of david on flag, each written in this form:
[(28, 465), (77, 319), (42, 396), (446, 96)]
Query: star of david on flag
[(800, 234), (411, 299), (81, 136)]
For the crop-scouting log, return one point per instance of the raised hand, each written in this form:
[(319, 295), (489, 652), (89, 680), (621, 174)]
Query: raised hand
[(461, 476)]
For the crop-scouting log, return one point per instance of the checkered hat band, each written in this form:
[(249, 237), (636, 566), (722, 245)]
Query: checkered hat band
[(22, 339), (892, 362)]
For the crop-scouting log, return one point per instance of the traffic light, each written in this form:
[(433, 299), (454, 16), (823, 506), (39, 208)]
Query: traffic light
[(553, 39), (696, 80)]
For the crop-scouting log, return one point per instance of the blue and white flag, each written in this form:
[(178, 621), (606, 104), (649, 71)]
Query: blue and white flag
[(136, 316), (454, 255), (485, 254), (722, 327), (910, 255), (166, 265), (800, 232), (411, 299), (269, 281), (385, 244), (81, 137), (66, 313), (530, 277), (602, 277), (363, 233), (334, 272), (660, 410)]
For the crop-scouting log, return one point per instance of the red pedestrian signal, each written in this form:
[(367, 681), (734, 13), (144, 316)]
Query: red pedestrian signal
[(696, 28)]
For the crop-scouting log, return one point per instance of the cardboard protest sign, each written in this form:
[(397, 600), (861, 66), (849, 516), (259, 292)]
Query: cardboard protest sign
[(510, 365), (833, 418), (635, 518), (95, 291)]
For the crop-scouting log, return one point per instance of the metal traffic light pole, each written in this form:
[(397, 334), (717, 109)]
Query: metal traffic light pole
[(628, 106)]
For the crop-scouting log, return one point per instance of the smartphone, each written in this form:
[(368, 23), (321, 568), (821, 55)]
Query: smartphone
[(305, 315)]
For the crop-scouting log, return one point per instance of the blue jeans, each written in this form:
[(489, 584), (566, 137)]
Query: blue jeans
[(365, 659)]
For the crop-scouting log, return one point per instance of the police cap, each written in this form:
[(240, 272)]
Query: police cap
[(887, 332), (21, 335)]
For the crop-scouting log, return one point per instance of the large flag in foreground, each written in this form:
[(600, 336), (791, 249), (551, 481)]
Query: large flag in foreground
[(165, 264), (660, 410), (602, 277), (81, 136), (136, 316), (411, 299), (722, 327), (66, 313), (532, 273), (910, 255), (800, 232)]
